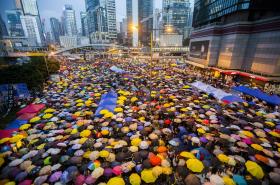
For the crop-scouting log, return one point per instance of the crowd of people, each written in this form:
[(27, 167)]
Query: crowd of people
[(161, 131)]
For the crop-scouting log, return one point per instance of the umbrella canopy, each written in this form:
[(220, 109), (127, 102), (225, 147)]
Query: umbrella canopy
[(195, 165), (254, 169)]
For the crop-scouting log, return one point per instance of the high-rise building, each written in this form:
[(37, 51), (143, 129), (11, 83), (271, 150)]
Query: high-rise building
[(56, 29), (145, 9), (30, 8), (84, 23), (14, 23), (69, 21), (177, 13), (32, 30), (140, 17), (102, 17), (3, 28), (233, 34)]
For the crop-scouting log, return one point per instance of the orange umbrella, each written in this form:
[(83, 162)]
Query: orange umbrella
[(262, 158)]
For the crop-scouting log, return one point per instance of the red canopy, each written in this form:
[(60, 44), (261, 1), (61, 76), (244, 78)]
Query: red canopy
[(26, 116), (7, 133), (32, 108)]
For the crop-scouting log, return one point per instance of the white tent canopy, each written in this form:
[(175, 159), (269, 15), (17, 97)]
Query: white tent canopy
[(217, 93)]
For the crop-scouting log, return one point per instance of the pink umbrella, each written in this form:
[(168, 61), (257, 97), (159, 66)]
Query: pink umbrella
[(247, 141)]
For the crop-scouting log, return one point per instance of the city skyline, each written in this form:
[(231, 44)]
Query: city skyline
[(54, 8)]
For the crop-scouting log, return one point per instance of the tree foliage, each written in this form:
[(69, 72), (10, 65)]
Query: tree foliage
[(33, 73)]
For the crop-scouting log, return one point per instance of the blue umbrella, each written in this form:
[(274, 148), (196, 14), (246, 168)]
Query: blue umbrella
[(239, 180)]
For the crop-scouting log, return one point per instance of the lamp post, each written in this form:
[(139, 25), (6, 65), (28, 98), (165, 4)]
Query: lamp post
[(168, 29)]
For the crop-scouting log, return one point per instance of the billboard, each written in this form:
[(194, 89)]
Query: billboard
[(199, 49)]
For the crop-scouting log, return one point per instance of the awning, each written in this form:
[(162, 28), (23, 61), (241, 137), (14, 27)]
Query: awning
[(271, 99)]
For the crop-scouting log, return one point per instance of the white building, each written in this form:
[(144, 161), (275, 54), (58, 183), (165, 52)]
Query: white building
[(83, 40), (72, 41), (31, 29), (30, 7), (111, 19), (69, 21), (68, 41)]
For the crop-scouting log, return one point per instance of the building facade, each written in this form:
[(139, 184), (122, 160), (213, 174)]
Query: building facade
[(14, 23), (30, 7), (56, 29), (84, 24), (177, 13), (31, 30), (3, 28), (140, 21), (240, 35), (69, 21), (145, 10), (102, 17)]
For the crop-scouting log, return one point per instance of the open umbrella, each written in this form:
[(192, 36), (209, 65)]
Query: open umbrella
[(195, 165), (254, 169)]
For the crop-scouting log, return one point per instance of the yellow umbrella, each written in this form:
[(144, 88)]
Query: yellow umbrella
[(108, 115), (228, 180), (133, 99), (136, 141), (85, 133), (186, 87), (79, 101), (2, 160), (105, 132), (4, 140), (49, 110), (74, 131), (104, 153), (47, 116), (80, 105), (254, 169), (118, 109), (83, 140), (104, 111), (195, 165), (223, 158), (147, 176), (116, 181), (247, 133), (275, 134), (24, 127), (201, 131), (187, 155), (35, 119), (257, 147), (134, 179), (16, 138)]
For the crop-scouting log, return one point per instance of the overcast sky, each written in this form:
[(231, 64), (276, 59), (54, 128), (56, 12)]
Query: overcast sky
[(54, 8)]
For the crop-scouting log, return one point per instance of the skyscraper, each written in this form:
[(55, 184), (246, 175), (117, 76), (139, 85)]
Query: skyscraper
[(14, 23), (177, 13), (84, 23), (30, 7), (69, 21), (33, 24), (32, 30), (145, 28), (3, 28), (137, 13), (240, 35), (102, 17), (56, 29)]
